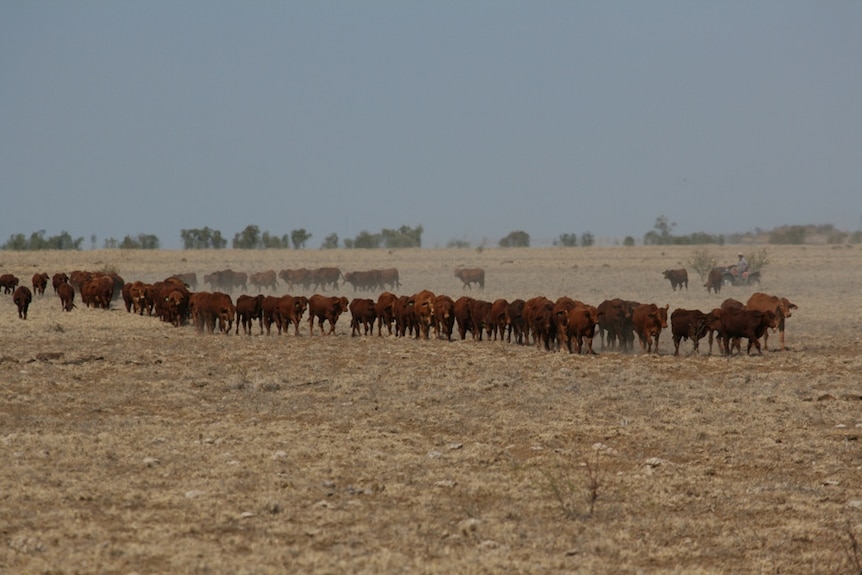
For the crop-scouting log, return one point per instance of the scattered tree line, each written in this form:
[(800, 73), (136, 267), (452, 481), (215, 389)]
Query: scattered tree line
[(252, 238)]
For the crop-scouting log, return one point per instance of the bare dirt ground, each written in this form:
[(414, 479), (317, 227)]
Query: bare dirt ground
[(130, 446)]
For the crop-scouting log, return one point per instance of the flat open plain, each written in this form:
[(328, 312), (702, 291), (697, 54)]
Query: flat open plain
[(130, 446)]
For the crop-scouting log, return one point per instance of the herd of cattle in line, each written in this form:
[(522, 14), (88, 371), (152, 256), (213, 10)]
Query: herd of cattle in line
[(539, 321)]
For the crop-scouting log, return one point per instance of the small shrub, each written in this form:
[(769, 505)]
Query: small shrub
[(702, 261), (759, 259)]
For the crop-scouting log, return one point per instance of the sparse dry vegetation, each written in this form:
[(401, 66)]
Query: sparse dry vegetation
[(133, 446)]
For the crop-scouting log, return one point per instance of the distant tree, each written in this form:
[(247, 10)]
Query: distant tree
[(516, 239), (202, 238), (129, 243), (217, 241), (270, 241), (16, 242), (38, 241), (348, 243), (299, 237), (330, 242), (93, 241), (403, 237), (855, 237), (629, 241), (367, 240), (111, 243), (567, 240), (458, 244), (788, 235), (149, 241), (587, 239), (661, 232), (248, 239)]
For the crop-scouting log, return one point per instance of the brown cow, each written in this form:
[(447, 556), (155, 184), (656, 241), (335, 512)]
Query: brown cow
[(134, 296), (364, 280), (444, 316), (714, 279), (267, 279), (402, 314), (190, 279), (471, 276), (781, 307), (389, 278), (321, 277), (8, 282), (323, 308), (462, 315), (648, 320), (294, 277), (57, 279), (539, 317), (480, 317), (209, 308), (581, 324), (290, 311), (385, 310), (270, 313), (515, 321), (362, 315), (22, 298), (248, 309), (498, 319), (677, 278), (561, 315), (227, 280), (40, 282), (172, 301), (747, 323), (422, 305), (67, 296), (615, 323), (688, 324), (98, 291)]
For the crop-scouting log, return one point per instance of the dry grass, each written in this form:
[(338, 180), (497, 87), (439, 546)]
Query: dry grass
[(131, 446)]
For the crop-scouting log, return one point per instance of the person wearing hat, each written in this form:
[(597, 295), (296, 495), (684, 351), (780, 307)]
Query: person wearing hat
[(741, 266)]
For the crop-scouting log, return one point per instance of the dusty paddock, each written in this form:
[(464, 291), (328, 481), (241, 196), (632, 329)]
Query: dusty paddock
[(130, 446)]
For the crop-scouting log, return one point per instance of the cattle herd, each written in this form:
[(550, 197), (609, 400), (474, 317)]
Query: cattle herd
[(536, 321)]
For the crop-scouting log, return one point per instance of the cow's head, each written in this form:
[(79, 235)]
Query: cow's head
[(784, 306)]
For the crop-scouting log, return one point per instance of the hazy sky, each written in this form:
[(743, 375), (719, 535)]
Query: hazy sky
[(470, 118)]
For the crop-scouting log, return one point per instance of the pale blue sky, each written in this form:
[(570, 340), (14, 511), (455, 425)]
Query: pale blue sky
[(471, 118)]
